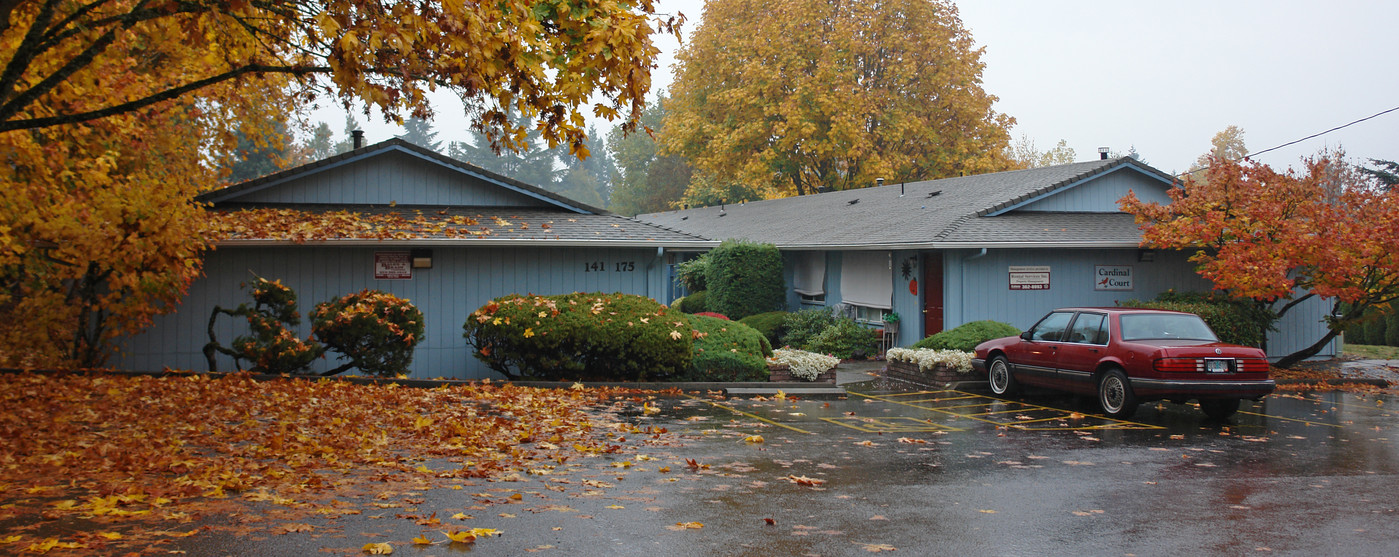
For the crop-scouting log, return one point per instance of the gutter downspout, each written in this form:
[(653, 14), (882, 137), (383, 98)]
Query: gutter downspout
[(660, 256), (962, 309)]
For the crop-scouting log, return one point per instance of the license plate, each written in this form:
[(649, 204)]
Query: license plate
[(1217, 366)]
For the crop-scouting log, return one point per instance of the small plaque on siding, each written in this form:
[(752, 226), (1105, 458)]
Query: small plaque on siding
[(1112, 277), (392, 265), (1029, 277)]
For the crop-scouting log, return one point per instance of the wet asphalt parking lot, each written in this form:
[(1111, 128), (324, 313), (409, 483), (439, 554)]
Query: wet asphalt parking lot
[(892, 467)]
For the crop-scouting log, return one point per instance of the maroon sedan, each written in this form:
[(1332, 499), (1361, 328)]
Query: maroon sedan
[(1125, 357)]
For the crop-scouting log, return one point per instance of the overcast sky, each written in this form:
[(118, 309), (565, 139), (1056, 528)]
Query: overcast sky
[(1161, 76)]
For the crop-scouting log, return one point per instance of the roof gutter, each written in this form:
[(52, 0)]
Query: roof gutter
[(473, 242), (1102, 244)]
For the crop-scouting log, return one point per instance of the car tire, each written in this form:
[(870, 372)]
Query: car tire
[(999, 376), (1115, 394), (1219, 409)]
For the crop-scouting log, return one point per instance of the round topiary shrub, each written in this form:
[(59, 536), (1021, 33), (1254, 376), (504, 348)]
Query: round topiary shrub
[(696, 302), (966, 336), (727, 351), (581, 336), (801, 327), (376, 331)]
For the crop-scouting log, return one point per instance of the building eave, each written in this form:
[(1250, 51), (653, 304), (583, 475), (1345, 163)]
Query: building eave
[(469, 242)]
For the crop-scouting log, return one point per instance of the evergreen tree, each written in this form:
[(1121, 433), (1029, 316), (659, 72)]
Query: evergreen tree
[(419, 132), (537, 165), (258, 154), (1386, 172), (643, 180), (320, 146)]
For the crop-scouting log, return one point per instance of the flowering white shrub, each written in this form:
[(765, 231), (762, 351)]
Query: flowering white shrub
[(804, 365), (927, 359)]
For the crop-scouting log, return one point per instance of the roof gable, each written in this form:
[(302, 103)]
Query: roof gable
[(390, 173)]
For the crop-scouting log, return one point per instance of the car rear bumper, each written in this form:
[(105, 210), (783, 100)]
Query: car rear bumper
[(1215, 388)]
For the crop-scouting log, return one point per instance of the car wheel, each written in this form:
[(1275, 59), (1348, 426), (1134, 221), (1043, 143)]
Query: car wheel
[(1220, 408), (1115, 394), (1000, 377)]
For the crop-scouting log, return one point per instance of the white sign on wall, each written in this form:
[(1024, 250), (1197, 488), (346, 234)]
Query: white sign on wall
[(1029, 277), (1112, 277), (392, 265)]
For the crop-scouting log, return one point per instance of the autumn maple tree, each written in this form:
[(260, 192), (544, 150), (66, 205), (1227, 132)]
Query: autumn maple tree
[(110, 111), (792, 96), (1284, 237)]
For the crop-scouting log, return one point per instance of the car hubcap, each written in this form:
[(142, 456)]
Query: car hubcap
[(1113, 394), (998, 377)]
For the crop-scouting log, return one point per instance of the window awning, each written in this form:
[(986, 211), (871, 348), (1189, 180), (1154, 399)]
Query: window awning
[(810, 275), (867, 279)]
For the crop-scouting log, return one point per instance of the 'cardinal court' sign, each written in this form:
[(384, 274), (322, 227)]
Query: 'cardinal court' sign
[(1112, 277)]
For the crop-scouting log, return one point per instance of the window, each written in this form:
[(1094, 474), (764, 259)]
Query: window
[(867, 279), (1052, 326), (870, 315), (1089, 328), (809, 276), (816, 300)]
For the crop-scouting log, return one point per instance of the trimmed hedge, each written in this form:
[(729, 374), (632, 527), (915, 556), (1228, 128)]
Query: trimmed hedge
[(696, 302), (745, 278), (845, 339), (965, 337), (1235, 320), (727, 351), (772, 325), (591, 336)]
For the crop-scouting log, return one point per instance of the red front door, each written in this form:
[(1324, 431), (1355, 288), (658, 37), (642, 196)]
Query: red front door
[(932, 293)]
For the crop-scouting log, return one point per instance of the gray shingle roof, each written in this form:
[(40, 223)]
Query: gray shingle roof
[(950, 210), (474, 225)]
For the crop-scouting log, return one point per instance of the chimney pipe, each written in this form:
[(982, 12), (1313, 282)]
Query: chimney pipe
[(358, 136), (1102, 153), (879, 182)]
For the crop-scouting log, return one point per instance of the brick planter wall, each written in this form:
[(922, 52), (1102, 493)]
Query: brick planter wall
[(780, 373), (909, 372)]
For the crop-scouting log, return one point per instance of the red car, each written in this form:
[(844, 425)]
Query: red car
[(1125, 357)]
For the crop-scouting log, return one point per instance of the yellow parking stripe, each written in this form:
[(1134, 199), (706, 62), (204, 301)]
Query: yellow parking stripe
[(1289, 419), (1020, 407), (748, 415)]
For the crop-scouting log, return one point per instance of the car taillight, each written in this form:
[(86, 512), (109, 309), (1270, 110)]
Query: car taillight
[(1178, 365), (1253, 365)]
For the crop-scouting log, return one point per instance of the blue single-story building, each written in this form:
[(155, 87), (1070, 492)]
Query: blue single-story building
[(1006, 246), (442, 233)]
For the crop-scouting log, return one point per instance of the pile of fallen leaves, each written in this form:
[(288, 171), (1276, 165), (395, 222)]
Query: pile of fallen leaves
[(108, 462), (1320, 376)]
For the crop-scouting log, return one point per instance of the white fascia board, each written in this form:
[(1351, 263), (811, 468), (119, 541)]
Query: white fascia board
[(1104, 244)]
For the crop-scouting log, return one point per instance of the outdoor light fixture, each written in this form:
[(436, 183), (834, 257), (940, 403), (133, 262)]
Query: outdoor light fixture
[(422, 258), (1146, 255)]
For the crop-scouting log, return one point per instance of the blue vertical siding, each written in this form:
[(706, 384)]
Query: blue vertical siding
[(393, 176), (1101, 194), (461, 280)]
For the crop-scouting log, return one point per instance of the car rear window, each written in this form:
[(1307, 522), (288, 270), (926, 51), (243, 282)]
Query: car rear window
[(1154, 326)]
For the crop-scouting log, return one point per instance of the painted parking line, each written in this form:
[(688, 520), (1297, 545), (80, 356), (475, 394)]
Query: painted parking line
[(1001, 412), (890, 425), (1308, 422), (747, 414)]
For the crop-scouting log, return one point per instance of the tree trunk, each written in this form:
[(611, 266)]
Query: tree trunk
[(1292, 359)]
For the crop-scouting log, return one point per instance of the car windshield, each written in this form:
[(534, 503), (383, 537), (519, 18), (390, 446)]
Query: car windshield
[(1165, 326)]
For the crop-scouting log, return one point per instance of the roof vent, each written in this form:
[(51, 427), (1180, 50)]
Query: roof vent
[(686, 217), (1102, 153), (934, 193), (358, 137), (852, 202)]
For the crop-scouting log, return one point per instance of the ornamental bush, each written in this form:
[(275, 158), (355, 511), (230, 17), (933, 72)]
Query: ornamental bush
[(1234, 320), (965, 337), (802, 364), (929, 359), (801, 327), (691, 274), (771, 324), (696, 302), (727, 351), (745, 278), (714, 315), (374, 330), (581, 336), (846, 339), (271, 347)]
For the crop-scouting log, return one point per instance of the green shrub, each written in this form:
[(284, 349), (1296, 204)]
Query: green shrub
[(772, 325), (591, 336), (691, 274), (727, 351), (846, 339), (1235, 320), (745, 278), (714, 315), (696, 302), (965, 337), (1391, 327), (803, 326), (376, 331)]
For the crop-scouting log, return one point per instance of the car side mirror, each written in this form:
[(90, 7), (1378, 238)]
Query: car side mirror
[(1026, 336)]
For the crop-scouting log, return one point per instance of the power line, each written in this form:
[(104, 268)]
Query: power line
[(1315, 135)]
